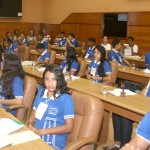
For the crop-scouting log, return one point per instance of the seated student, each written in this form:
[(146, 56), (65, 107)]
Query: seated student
[(45, 56), (105, 43), (132, 49), (31, 36), (8, 34), (70, 64), (89, 52), (41, 40), (11, 82), (147, 60), (115, 54), (46, 37), (22, 40), (99, 69), (62, 39), (16, 36), (57, 106), (71, 41), (10, 47)]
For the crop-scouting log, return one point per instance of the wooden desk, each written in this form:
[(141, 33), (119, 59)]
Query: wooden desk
[(33, 145), (139, 62), (58, 49), (34, 55), (133, 75)]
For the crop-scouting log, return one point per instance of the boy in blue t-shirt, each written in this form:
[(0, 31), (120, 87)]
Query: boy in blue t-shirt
[(71, 41)]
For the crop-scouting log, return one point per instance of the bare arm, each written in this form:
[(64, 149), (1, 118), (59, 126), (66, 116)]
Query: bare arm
[(44, 62), (127, 62), (16, 52), (137, 143), (15, 101)]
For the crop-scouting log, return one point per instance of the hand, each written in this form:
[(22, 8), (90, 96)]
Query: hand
[(129, 147), (89, 77), (32, 128), (40, 132)]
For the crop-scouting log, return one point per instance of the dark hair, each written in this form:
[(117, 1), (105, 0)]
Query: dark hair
[(106, 37), (12, 67), (92, 39), (62, 33), (7, 39), (102, 50), (72, 34), (41, 34), (61, 87), (33, 32), (16, 31), (115, 42), (22, 33), (71, 56), (7, 33), (40, 46), (131, 38)]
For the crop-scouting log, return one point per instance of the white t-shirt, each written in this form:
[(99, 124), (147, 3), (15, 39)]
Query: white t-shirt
[(127, 51), (106, 46)]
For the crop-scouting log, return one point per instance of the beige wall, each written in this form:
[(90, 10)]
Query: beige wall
[(32, 12), (57, 10)]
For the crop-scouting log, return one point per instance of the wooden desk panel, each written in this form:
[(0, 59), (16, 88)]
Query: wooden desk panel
[(32, 145)]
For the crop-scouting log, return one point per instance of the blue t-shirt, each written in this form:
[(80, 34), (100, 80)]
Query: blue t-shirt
[(74, 42), (94, 65), (11, 49), (57, 111), (147, 60), (143, 129), (45, 55), (89, 52), (74, 65), (62, 42), (25, 42), (114, 55), (18, 92), (44, 43)]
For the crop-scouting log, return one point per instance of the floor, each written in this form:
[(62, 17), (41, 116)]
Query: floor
[(110, 138)]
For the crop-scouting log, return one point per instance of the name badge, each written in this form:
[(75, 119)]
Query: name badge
[(86, 56), (65, 69), (93, 71), (40, 111)]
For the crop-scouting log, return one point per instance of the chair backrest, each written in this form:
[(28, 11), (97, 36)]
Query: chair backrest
[(32, 44), (82, 45), (88, 118), (52, 57), (114, 67), (29, 94), (83, 67), (23, 52)]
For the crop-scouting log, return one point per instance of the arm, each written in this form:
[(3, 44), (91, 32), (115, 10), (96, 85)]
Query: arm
[(44, 62), (69, 43), (137, 143), (16, 52), (15, 101), (88, 76), (127, 62), (66, 128)]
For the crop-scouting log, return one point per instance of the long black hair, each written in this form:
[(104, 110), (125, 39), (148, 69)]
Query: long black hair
[(102, 50), (12, 67), (61, 87), (71, 56)]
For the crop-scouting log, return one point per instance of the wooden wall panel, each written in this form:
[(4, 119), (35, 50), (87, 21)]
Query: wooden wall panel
[(139, 19)]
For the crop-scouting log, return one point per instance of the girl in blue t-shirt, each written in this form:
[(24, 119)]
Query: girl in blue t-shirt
[(11, 82), (99, 69), (53, 109), (70, 64)]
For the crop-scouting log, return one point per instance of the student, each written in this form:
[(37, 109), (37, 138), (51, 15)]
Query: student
[(147, 60), (70, 64), (45, 55), (62, 40), (10, 47), (8, 34), (105, 43), (22, 40), (41, 40), (57, 106), (89, 52), (16, 36), (47, 37), (11, 82), (115, 54), (31, 36), (99, 69), (71, 41), (132, 49)]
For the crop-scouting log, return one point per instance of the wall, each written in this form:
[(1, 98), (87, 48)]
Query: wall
[(57, 10)]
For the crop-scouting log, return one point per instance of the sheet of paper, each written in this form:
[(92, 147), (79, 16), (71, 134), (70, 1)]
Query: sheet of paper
[(8, 126), (117, 92)]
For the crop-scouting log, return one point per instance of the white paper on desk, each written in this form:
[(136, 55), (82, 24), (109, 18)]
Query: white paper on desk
[(42, 69), (19, 138), (133, 57), (117, 92), (146, 71), (26, 63), (8, 126), (74, 77)]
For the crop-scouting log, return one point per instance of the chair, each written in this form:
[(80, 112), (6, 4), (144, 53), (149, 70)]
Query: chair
[(29, 94), (114, 67), (83, 67), (32, 44), (80, 48), (23, 52), (52, 57), (82, 45), (87, 121)]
